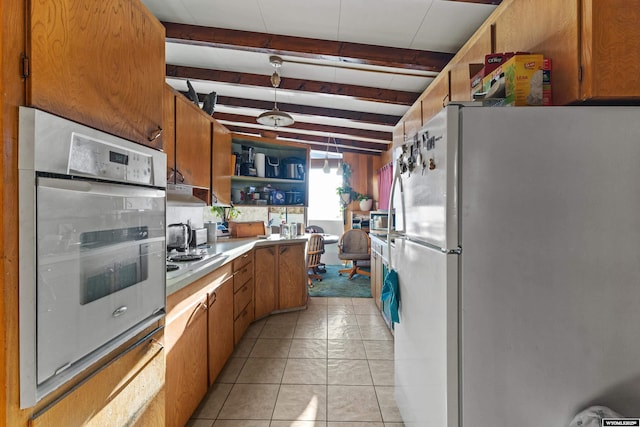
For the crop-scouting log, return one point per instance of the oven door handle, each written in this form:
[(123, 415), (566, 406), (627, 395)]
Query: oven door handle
[(99, 188)]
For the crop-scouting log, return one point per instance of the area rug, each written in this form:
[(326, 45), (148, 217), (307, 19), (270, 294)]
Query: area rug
[(333, 285)]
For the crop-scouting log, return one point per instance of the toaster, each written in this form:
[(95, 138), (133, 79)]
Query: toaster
[(198, 237)]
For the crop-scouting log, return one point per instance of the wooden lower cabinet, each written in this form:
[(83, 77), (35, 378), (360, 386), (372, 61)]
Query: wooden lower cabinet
[(220, 319), (292, 276), (186, 376), (280, 278), (265, 281), (128, 391), (243, 321), (243, 294)]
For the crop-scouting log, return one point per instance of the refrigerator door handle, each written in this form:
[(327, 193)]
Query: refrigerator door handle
[(454, 251), (397, 178)]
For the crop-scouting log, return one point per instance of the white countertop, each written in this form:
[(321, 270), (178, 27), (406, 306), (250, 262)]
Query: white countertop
[(223, 252)]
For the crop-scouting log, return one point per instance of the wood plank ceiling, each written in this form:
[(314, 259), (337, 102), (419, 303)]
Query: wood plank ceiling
[(351, 68)]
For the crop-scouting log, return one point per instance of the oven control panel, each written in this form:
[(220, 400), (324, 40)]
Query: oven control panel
[(98, 159)]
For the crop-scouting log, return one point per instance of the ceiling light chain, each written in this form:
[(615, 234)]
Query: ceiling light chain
[(275, 117)]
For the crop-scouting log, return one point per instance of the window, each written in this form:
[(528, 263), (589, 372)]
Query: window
[(324, 203)]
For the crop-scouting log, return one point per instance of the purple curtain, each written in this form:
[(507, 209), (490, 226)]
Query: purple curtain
[(385, 179)]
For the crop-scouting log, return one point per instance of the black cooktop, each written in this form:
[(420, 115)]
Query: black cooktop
[(185, 258)]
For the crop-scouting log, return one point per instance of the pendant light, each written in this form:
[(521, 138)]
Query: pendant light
[(275, 118), (339, 171), (326, 168)]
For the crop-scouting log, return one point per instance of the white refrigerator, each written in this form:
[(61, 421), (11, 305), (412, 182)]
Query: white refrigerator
[(518, 261)]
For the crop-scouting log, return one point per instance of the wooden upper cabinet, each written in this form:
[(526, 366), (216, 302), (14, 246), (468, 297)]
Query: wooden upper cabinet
[(547, 27), (438, 98), (221, 168), (471, 53), (99, 63), (169, 126), (193, 144), (610, 45)]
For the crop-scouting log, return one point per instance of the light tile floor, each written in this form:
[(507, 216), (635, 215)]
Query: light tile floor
[(330, 365)]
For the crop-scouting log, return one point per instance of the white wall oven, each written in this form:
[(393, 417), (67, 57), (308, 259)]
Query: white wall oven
[(92, 247)]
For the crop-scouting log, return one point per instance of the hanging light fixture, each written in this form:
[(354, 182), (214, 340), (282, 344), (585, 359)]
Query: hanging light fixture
[(326, 168), (275, 118), (339, 171)]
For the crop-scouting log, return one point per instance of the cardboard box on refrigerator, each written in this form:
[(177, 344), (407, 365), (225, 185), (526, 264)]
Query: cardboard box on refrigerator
[(523, 79)]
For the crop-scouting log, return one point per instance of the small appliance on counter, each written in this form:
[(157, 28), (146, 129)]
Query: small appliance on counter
[(178, 237), (198, 237), (379, 220)]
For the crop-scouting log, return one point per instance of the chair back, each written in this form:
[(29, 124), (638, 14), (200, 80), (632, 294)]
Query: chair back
[(315, 248), (313, 229), (354, 241)]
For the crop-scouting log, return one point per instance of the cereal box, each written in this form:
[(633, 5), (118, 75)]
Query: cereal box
[(523, 76)]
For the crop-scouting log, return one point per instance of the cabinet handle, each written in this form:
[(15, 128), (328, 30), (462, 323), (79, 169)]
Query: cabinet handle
[(174, 174), (155, 134), (283, 250), (215, 298)]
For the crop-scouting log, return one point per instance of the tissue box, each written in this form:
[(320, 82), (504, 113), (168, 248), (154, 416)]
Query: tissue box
[(523, 79)]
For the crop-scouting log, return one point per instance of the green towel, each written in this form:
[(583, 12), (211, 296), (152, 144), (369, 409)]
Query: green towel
[(390, 293)]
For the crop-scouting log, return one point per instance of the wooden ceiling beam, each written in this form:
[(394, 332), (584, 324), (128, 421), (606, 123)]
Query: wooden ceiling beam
[(371, 94), (346, 145), (358, 116), (363, 133), (349, 53)]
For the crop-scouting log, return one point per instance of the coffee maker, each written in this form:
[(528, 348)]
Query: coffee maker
[(247, 168)]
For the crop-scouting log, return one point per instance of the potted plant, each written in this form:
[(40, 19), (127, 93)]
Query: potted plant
[(225, 213), (366, 202), (344, 191)]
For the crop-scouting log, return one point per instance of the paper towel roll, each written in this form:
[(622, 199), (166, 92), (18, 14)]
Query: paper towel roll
[(258, 161)]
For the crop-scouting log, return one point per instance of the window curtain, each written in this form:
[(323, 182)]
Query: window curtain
[(385, 179)]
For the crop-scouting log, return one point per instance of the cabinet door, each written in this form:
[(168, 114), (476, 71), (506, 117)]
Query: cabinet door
[(265, 281), (169, 132), (379, 279), (221, 168), (550, 28), (193, 144), (186, 349), (610, 33), (292, 276), (220, 327), (374, 277), (99, 63)]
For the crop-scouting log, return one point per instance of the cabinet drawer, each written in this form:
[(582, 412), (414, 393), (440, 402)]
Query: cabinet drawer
[(242, 323), (242, 260), (242, 276), (242, 298)]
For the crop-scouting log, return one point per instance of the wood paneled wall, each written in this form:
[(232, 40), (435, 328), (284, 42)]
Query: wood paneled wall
[(12, 90), (364, 175)]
